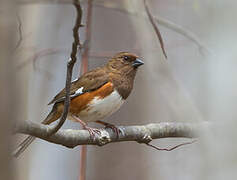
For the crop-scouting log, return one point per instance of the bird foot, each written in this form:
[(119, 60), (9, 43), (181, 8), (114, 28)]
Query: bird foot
[(92, 131), (111, 126), (114, 128)]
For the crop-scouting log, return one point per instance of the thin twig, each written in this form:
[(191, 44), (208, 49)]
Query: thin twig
[(166, 23), (19, 31), (188, 34), (170, 149), (70, 64), (162, 21), (157, 31)]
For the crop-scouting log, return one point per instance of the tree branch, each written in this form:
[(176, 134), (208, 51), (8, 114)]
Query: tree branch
[(70, 65), (166, 23), (155, 27), (162, 21), (142, 134), (19, 31)]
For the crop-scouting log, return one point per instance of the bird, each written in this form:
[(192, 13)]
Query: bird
[(95, 95)]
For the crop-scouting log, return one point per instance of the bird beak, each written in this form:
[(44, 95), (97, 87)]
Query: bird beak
[(137, 62)]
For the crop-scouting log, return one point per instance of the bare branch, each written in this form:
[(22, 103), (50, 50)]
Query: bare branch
[(19, 31), (157, 31), (162, 21), (186, 33), (171, 149), (166, 23), (142, 134), (70, 65)]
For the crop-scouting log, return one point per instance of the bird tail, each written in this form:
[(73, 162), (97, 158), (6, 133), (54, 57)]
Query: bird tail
[(52, 116)]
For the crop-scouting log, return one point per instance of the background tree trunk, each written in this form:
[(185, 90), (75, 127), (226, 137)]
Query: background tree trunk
[(8, 91)]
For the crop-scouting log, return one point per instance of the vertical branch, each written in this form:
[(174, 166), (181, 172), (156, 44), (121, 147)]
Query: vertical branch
[(70, 64), (84, 68), (19, 31), (155, 28)]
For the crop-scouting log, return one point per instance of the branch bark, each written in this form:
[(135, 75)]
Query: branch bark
[(142, 134), (70, 66)]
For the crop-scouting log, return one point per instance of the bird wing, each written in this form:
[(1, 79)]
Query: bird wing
[(89, 81)]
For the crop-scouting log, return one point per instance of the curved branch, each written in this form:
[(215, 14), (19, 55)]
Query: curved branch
[(70, 65), (142, 134), (19, 31), (155, 27)]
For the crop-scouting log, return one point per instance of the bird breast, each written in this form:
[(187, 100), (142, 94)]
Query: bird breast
[(99, 108)]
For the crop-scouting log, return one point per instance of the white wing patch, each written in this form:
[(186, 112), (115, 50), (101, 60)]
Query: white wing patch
[(74, 80), (79, 91)]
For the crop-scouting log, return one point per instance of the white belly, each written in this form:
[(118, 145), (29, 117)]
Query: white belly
[(101, 108)]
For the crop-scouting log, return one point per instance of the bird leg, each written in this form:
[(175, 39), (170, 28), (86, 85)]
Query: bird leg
[(113, 127), (92, 131)]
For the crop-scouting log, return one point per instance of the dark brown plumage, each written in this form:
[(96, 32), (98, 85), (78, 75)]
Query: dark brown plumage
[(96, 94)]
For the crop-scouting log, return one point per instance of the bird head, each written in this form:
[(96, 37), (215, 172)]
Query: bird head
[(125, 62)]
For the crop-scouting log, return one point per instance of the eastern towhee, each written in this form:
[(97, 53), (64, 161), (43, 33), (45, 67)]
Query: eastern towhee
[(95, 95)]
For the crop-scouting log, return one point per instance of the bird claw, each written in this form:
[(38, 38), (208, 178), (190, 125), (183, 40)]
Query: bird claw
[(93, 131), (114, 128)]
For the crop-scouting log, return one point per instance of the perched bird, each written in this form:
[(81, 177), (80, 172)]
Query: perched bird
[(95, 95)]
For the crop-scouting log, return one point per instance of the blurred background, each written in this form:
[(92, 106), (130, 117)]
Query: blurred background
[(196, 83)]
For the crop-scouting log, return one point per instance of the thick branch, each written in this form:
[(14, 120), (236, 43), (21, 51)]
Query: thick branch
[(142, 134)]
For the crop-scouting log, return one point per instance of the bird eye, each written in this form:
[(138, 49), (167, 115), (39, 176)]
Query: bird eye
[(126, 58)]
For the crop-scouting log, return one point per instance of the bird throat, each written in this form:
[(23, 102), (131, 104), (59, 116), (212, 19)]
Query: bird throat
[(123, 82)]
